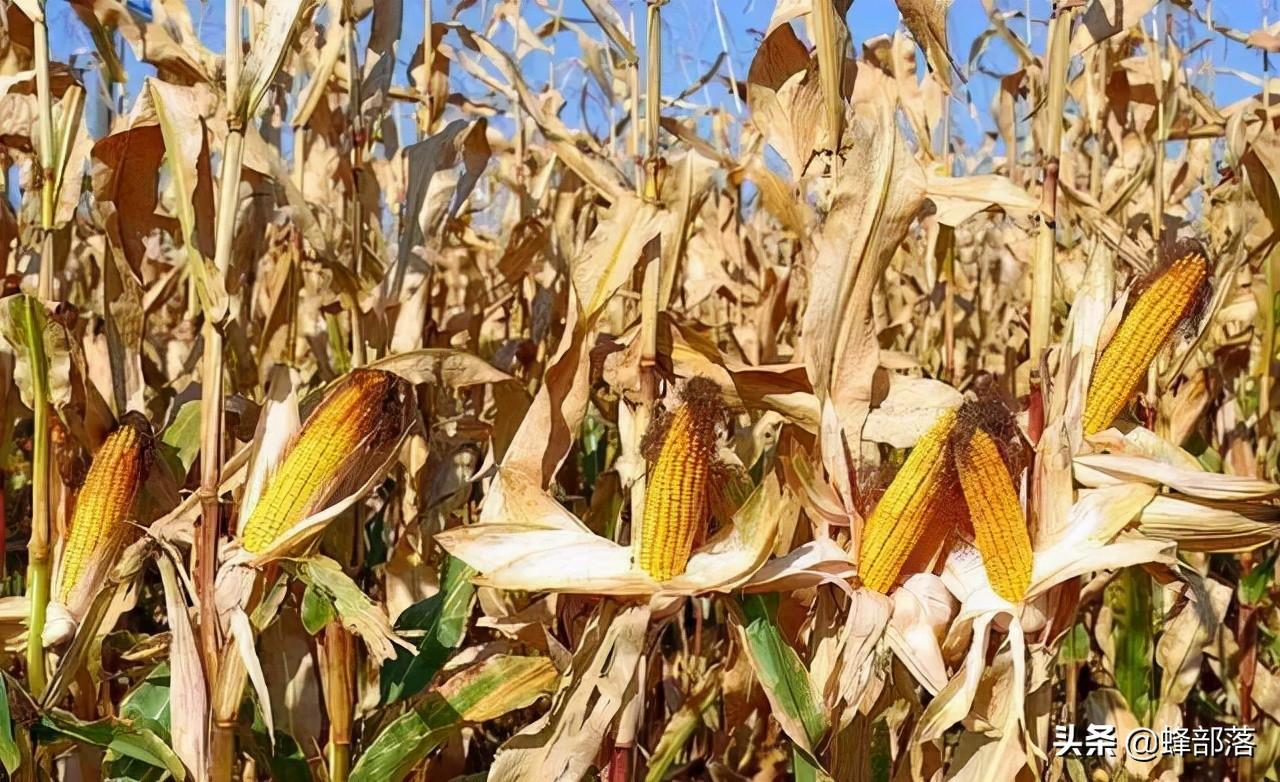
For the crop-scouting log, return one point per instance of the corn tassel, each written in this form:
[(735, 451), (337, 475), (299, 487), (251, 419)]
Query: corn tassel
[(998, 523), (100, 524), (338, 436), (1141, 334), (676, 496), (906, 512)]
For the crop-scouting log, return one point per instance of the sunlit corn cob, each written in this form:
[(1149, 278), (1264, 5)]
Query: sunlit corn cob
[(901, 520), (100, 525), (359, 416), (675, 505), (999, 527), (1144, 330)]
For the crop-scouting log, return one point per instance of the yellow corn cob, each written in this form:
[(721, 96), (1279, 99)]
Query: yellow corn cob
[(100, 525), (1146, 328), (945, 515), (675, 502), (998, 524), (359, 416), (906, 512)]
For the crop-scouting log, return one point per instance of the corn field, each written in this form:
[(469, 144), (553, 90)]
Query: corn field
[(446, 391)]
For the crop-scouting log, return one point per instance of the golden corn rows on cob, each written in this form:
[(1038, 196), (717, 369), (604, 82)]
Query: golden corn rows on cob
[(675, 503), (100, 525), (359, 416), (902, 517), (1144, 330), (994, 510)]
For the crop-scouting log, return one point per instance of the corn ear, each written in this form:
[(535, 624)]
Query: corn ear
[(676, 495), (1144, 330), (998, 523), (359, 416), (905, 515), (100, 524)]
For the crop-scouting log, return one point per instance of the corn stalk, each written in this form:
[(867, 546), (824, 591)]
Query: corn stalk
[(222, 738), (39, 567), (39, 564), (1059, 57)]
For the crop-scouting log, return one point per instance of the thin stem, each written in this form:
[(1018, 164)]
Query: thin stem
[(234, 54), (357, 209), (624, 755), (830, 71), (518, 116), (1247, 633), (633, 127), (222, 741), (339, 660), (653, 83), (226, 704), (428, 63), (948, 265), (38, 569), (48, 180), (1059, 57), (1159, 54)]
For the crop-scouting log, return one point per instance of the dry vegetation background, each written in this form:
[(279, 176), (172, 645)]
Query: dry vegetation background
[(454, 596)]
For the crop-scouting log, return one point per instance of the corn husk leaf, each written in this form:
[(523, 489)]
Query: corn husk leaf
[(1207, 525), (99, 599), (849, 679), (1107, 469), (242, 640), (188, 698), (922, 611), (278, 422), (805, 566), (364, 471), (527, 541)]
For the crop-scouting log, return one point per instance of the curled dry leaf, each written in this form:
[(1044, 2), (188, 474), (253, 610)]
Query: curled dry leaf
[(881, 191), (785, 97)]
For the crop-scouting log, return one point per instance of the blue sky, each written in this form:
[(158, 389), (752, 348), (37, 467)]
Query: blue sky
[(695, 39)]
